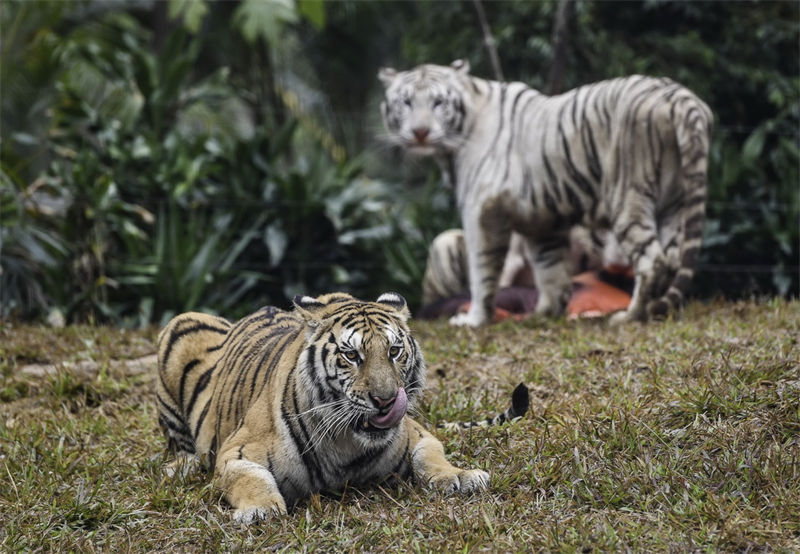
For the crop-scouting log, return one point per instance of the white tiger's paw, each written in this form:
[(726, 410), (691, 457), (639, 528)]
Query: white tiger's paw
[(467, 320), (618, 318), (256, 514), (624, 317)]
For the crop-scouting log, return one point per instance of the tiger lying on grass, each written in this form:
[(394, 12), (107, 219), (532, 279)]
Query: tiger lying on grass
[(627, 155), (284, 404)]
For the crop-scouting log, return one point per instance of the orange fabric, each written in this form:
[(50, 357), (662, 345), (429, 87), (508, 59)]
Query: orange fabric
[(591, 297), (595, 298)]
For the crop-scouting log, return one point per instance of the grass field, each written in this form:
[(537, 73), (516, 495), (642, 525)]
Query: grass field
[(682, 435)]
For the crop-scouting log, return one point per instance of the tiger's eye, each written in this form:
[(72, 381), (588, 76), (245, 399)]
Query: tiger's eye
[(394, 351), (350, 355)]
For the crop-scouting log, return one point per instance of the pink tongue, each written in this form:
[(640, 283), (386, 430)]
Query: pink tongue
[(394, 415)]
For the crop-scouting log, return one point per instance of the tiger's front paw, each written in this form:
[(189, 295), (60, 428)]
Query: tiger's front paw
[(463, 481), (468, 319), (472, 480), (256, 514)]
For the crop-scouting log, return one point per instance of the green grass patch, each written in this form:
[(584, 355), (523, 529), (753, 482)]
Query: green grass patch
[(681, 435)]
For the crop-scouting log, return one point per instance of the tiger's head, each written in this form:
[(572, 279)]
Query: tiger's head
[(365, 369), (425, 108)]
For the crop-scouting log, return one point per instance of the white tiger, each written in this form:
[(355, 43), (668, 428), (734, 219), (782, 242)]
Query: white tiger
[(629, 155)]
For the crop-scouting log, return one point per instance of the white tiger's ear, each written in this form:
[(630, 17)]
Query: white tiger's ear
[(396, 302), (387, 75), (308, 308), (462, 66)]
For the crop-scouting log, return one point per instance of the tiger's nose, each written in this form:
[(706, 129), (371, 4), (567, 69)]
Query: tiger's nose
[(383, 402), (421, 133)]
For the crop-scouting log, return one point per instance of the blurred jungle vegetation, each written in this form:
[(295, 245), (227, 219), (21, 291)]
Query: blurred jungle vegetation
[(159, 157)]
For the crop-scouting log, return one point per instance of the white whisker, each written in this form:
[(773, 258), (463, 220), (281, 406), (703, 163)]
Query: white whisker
[(328, 405)]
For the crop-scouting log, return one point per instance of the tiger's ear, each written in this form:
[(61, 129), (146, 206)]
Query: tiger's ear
[(387, 75), (462, 66), (309, 308), (396, 302)]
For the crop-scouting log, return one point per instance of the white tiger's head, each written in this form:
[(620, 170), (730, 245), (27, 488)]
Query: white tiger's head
[(365, 368), (425, 108)]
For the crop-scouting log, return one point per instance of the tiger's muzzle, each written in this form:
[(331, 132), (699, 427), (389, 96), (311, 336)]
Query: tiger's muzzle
[(390, 413)]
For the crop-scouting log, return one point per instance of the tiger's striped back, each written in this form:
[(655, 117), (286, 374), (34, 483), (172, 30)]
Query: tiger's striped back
[(285, 404)]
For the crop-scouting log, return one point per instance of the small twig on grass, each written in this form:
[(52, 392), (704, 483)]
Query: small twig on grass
[(389, 496), (13, 484)]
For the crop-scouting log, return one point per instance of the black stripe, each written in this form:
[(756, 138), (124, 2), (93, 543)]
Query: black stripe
[(689, 258), (212, 453), (199, 387), (175, 335), (623, 235), (168, 423), (592, 158), (694, 225), (200, 420), (403, 459), (310, 353), (575, 175), (175, 415), (186, 369), (641, 248), (164, 384), (490, 151), (306, 457), (512, 127), (275, 356)]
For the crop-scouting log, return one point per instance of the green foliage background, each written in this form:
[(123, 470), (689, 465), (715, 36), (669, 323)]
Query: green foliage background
[(166, 156)]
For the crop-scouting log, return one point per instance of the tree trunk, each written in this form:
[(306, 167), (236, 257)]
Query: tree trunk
[(564, 15), (488, 40)]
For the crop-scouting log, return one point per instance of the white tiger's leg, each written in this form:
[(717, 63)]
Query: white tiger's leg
[(516, 261), (551, 273), (249, 487), (669, 235), (446, 272), (486, 239), (635, 229)]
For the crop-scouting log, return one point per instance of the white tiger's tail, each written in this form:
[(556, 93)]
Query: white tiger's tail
[(693, 122), (520, 400)]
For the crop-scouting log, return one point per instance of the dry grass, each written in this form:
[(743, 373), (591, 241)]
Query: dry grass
[(683, 435)]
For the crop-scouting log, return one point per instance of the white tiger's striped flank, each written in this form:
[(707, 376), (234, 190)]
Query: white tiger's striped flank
[(629, 155)]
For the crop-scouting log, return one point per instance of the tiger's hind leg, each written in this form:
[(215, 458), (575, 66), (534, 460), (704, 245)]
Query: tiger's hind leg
[(179, 438), (172, 421), (446, 272), (636, 232), (669, 235), (184, 347), (551, 273)]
